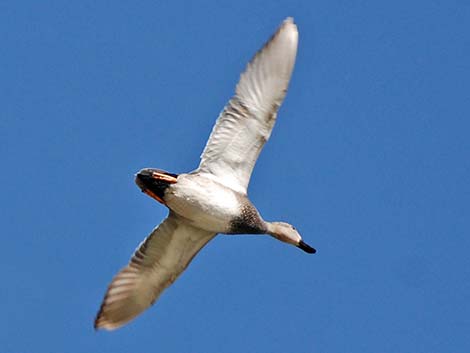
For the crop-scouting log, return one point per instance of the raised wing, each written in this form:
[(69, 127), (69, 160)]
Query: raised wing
[(155, 265), (247, 120)]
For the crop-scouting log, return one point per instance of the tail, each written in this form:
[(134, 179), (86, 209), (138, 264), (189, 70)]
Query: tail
[(154, 182)]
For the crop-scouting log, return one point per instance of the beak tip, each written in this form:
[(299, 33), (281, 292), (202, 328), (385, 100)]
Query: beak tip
[(307, 248)]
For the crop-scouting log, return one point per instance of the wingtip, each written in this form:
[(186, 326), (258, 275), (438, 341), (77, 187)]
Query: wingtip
[(103, 324), (288, 30), (289, 19), (104, 320), (289, 22), (98, 323)]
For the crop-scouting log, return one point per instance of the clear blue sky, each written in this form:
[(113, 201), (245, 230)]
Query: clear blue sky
[(370, 160)]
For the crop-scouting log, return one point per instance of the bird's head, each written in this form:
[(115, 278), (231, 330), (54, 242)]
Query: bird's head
[(287, 233)]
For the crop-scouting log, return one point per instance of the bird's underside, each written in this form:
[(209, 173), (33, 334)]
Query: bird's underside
[(212, 199)]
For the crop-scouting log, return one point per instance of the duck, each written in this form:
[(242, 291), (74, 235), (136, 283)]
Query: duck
[(213, 198)]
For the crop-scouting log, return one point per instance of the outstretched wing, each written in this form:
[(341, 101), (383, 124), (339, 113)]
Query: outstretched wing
[(155, 265), (247, 120)]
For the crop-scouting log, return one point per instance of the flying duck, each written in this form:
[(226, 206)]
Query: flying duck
[(213, 198)]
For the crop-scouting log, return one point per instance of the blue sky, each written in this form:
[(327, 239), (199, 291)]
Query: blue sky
[(369, 160)]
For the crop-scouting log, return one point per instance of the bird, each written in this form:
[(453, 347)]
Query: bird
[(213, 198)]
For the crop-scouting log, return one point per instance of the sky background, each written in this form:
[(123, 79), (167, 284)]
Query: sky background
[(369, 159)]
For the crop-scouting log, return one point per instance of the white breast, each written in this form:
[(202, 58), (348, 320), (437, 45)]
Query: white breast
[(206, 203)]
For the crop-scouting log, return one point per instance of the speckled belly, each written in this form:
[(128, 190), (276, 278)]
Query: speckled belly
[(205, 203)]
